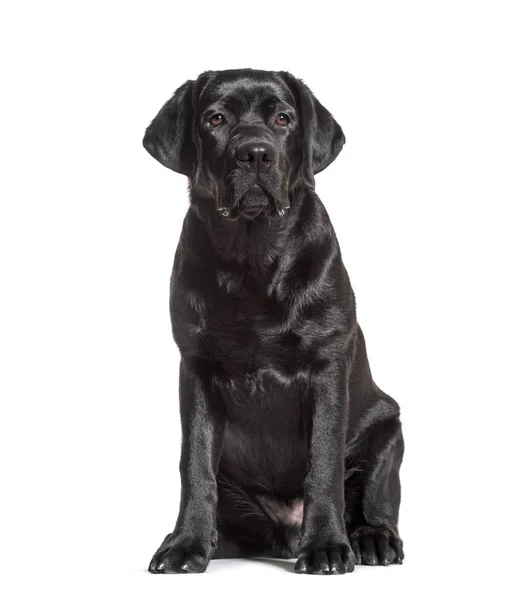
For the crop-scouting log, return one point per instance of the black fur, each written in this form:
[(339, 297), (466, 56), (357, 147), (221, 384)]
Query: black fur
[(279, 412)]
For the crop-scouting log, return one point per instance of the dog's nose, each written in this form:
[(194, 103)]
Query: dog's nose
[(256, 155)]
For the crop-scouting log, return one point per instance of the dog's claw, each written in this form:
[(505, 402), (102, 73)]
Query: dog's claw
[(179, 559), (377, 546), (326, 561)]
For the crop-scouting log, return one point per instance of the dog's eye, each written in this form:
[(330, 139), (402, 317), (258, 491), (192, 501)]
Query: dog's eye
[(216, 120), (282, 119)]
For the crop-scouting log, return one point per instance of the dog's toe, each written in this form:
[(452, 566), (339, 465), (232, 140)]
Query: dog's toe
[(377, 546), (332, 560), (178, 559)]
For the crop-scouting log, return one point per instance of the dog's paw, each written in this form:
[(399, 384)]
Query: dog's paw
[(377, 546), (326, 560), (180, 558)]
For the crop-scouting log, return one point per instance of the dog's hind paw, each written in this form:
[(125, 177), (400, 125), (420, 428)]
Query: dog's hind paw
[(377, 546)]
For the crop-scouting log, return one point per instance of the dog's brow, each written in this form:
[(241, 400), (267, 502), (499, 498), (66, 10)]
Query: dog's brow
[(232, 101), (229, 103), (273, 100), (276, 101)]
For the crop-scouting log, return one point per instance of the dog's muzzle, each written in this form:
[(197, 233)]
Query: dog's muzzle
[(228, 212), (257, 188)]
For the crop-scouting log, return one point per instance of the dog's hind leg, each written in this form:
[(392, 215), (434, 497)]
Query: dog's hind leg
[(375, 491)]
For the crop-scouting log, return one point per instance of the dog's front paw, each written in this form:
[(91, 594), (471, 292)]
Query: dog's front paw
[(177, 557), (326, 560), (377, 546)]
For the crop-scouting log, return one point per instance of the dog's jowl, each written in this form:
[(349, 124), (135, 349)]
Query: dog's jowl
[(289, 449)]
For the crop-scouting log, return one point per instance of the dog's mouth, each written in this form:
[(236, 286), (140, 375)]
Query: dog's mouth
[(254, 202)]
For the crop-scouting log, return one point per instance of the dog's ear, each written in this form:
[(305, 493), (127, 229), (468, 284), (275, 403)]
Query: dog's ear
[(171, 137), (321, 136)]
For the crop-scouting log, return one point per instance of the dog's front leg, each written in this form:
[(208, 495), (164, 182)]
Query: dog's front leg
[(324, 547), (190, 546)]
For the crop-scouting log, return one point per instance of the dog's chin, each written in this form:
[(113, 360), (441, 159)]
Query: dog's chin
[(254, 202)]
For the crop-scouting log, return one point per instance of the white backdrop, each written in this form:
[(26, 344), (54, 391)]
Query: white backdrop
[(421, 198)]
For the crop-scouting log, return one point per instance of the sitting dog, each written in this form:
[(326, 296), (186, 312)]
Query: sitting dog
[(289, 449)]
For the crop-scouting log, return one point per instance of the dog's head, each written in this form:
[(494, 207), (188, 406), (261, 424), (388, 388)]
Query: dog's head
[(245, 139)]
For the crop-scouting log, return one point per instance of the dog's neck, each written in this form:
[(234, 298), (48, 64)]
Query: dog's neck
[(254, 244)]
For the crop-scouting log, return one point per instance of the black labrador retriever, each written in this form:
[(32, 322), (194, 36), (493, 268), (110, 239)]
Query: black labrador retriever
[(289, 448)]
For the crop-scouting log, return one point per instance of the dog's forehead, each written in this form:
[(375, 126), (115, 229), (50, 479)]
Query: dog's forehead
[(250, 89)]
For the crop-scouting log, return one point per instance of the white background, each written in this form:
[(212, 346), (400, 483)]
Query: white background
[(422, 199)]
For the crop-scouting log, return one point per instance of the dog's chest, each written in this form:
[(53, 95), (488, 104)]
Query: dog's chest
[(247, 328), (241, 326)]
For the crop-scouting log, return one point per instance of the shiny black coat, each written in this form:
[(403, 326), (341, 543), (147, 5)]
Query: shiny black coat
[(289, 448)]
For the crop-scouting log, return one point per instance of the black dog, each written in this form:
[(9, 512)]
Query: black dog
[(289, 448)]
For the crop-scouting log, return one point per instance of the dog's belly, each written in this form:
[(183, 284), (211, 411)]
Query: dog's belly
[(265, 448)]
